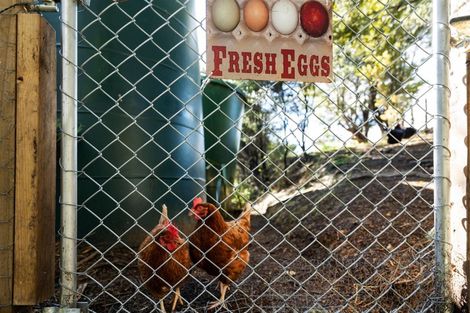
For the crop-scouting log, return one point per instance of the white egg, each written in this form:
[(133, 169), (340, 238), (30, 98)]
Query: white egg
[(285, 17), (225, 14)]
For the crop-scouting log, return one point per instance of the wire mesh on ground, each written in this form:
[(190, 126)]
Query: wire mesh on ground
[(342, 221)]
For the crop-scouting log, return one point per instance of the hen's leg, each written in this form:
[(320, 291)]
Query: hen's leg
[(180, 299), (223, 290), (162, 306), (219, 285), (176, 298)]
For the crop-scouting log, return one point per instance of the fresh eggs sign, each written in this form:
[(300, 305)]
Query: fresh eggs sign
[(270, 39)]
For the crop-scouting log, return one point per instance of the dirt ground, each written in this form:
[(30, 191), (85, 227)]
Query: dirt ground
[(362, 244)]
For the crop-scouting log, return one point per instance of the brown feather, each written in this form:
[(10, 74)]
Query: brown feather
[(159, 269), (219, 247)]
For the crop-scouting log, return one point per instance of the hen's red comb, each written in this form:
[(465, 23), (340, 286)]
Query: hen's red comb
[(172, 229), (197, 201)]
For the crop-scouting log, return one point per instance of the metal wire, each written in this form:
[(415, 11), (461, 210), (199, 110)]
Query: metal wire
[(337, 225)]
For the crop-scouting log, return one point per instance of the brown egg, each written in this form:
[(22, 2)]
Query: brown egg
[(256, 15)]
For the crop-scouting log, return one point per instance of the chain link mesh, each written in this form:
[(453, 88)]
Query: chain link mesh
[(342, 221)]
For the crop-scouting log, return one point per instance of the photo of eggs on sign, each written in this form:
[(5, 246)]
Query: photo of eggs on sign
[(288, 40)]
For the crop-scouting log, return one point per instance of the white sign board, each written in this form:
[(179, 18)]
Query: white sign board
[(288, 40)]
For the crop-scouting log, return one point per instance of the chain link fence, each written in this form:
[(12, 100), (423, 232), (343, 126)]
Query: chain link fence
[(339, 175)]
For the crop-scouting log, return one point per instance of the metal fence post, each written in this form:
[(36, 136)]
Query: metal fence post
[(69, 153), (467, 173), (441, 46)]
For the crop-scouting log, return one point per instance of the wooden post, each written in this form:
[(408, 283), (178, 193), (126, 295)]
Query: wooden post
[(27, 158), (7, 155), (35, 161)]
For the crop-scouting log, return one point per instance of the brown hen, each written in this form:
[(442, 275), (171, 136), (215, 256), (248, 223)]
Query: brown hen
[(164, 261), (219, 247)]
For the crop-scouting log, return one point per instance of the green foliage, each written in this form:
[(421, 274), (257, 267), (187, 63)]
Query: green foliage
[(376, 59), (343, 159)]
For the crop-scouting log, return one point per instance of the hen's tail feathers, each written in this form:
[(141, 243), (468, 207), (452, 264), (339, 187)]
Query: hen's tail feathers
[(247, 207), (164, 217), (245, 217)]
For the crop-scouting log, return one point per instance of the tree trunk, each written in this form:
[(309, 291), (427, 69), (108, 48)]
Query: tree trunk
[(370, 107), (360, 137)]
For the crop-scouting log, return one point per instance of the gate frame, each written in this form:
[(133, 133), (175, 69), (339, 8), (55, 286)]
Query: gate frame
[(441, 46)]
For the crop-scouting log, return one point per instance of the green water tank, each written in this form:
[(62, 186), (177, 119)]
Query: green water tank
[(140, 110), (223, 112)]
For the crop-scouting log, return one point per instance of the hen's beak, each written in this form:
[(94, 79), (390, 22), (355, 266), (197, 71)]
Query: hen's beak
[(191, 213), (181, 240)]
